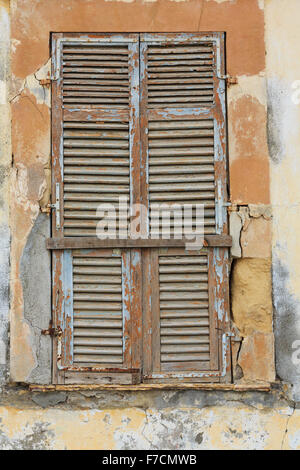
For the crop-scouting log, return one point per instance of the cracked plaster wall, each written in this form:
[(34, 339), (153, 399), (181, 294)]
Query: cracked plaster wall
[(247, 111), (152, 420), (168, 420)]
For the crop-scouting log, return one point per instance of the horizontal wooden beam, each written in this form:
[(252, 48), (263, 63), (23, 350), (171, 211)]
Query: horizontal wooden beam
[(184, 386), (85, 242)]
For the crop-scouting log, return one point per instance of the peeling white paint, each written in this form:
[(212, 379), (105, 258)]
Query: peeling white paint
[(4, 22), (14, 44), (253, 85), (32, 82), (3, 92), (20, 184), (261, 4), (220, 1)]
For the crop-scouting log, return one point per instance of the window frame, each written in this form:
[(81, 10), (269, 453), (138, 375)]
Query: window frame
[(219, 260)]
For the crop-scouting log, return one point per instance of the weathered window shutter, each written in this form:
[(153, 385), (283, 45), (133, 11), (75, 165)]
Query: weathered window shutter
[(183, 157), (143, 117), (96, 294)]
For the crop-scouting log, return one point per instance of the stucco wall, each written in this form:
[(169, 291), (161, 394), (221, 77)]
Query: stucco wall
[(263, 128), (282, 42), (243, 22)]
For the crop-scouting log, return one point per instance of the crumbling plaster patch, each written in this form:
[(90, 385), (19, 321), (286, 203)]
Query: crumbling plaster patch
[(251, 295), (252, 314), (30, 192), (36, 286), (250, 228), (247, 118)]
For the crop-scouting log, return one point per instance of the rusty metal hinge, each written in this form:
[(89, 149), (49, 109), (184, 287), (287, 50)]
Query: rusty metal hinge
[(52, 331), (231, 80), (45, 82), (56, 206)]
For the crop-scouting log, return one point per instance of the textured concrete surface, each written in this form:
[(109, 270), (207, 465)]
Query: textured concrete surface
[(237, 427), (148, 420)]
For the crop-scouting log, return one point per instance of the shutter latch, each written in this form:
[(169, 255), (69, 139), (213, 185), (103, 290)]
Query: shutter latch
[(220, 204), (52, 331), (56, 206)]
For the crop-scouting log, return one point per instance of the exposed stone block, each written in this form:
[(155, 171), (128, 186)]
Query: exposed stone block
[(251, 295), (256, 357)]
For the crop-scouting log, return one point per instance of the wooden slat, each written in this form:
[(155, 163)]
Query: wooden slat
[(81, 242)]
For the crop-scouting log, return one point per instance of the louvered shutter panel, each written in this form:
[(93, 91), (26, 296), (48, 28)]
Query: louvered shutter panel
[(184, 314), (183, 157), (95, 113)]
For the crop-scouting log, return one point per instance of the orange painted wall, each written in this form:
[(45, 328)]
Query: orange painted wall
[(242, 20)]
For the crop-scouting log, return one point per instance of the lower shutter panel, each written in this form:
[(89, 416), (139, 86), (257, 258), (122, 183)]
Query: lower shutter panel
[(184, 312), (97, 342), (98, 318), (185, 320)]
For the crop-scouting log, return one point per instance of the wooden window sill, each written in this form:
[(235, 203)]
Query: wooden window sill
[(144, 387)]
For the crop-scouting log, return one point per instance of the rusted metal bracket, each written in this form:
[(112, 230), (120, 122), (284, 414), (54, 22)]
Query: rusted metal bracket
[(230, 80), (45, 82), (56, 206), (52, 331), (46, 210)]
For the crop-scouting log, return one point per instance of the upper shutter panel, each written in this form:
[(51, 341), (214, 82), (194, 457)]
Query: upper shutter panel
[(180, 76), (95, 75), (95, 142), (181, 164), (96, 170), (183, 123)]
